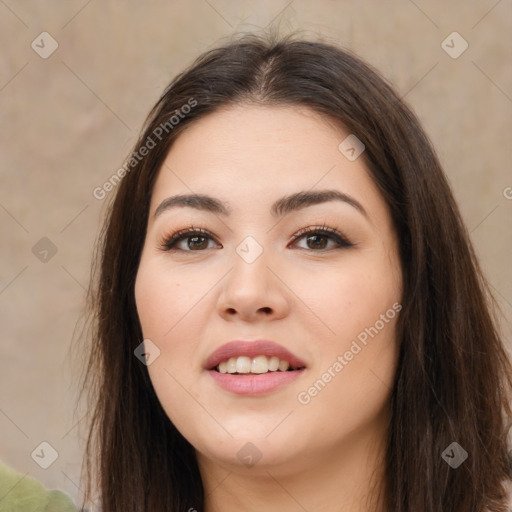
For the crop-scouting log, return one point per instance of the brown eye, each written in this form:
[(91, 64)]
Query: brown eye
[(197, 240), (317, 238), (194, 244), (317, 241)]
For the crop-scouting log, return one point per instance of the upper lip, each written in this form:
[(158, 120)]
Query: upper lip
[(251, 349)]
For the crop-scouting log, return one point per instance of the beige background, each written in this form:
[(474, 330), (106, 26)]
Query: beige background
[(68, 121)]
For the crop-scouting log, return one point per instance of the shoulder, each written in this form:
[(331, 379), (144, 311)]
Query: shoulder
[(22, 493)]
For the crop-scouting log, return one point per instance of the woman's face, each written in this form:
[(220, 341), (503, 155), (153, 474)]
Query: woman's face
[(326, 303)]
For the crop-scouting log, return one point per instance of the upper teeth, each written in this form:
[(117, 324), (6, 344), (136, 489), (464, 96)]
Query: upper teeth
[(258, 364)]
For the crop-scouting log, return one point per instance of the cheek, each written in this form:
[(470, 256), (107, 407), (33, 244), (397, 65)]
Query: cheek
[(351, 384), (174, 304), (164, 297), (364, 308), (171, 315), (169, 309), (352, 298)]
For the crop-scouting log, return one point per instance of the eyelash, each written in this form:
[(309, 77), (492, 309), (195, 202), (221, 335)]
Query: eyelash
[(169, 242)]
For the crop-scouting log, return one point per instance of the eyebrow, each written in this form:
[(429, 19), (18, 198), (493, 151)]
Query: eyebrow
[(280, 208)]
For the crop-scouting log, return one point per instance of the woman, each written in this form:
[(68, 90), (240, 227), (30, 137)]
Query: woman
[(289, 314)]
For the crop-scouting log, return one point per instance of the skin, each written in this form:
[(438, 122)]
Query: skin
[(311, 298)]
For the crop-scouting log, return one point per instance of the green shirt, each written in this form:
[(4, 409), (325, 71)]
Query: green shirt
[(19, 493)]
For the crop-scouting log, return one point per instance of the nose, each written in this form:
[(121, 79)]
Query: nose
[(253, 291)]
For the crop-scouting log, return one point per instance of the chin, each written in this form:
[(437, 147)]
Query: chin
[(249, 453)]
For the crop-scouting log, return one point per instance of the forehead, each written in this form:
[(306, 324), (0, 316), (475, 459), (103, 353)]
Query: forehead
[(248, 154)]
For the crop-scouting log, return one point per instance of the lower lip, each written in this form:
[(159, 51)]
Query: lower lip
[(251, 385)]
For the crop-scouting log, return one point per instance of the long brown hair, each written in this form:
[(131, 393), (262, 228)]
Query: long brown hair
[(454, 379)]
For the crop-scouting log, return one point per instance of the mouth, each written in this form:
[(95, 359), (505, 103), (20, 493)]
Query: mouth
[(253, 357), (244, 365), (254, 367)]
